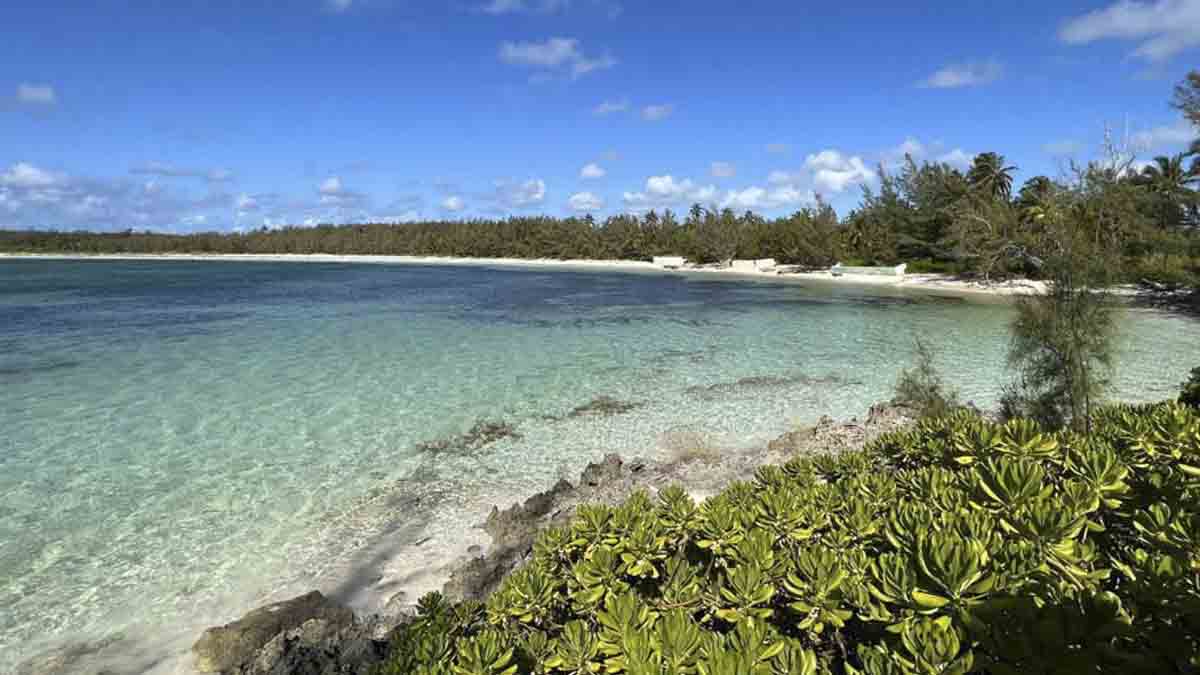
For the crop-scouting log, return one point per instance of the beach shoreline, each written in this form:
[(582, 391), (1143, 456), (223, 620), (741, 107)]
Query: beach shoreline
[(938, 283)]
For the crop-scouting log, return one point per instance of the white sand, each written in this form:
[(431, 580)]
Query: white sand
[(921, 282)]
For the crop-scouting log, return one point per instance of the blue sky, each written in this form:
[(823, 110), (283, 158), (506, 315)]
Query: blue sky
[(225, 114)]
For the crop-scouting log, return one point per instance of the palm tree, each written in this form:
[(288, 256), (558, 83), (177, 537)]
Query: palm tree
[(990, 176), (1168, 179)]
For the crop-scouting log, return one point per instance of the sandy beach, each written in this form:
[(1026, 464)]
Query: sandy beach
[(918, 282)]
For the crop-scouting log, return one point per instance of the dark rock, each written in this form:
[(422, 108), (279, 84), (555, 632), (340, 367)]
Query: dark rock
[(482, 434), (604, 405), (319, 647), (603, 471), (65, 659), (228, 648)]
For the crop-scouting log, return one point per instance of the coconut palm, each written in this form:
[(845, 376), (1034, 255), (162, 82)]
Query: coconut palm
[(990, 176), (1169, 178)]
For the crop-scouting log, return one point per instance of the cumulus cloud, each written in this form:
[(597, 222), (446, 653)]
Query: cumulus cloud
[(520, 195), (246, 203), (654, 113), (834, 172), (32, 196), (1179, 133), (36, 94), (1162, 28), (610, 107), (956, 157), (666, 191), (969, 74), (453, 203), (167, 170), (592, 171), (755, 197), (26, 175), (556, 54), (331, 186), (585, 201), (722, 170)]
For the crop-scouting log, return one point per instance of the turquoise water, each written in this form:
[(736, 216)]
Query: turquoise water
[(183, 440)]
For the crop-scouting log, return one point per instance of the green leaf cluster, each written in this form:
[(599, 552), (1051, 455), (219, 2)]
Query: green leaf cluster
[(956, 546)]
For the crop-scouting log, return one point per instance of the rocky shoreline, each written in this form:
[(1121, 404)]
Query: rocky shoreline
[(314, 635), (311, 634)]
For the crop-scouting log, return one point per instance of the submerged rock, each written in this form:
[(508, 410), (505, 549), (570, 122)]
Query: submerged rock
[(604, 406), (311, 635), (484, 433), (762, 382), (234, 646)]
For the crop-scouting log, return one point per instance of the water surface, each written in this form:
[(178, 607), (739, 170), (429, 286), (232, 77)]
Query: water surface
[(184, 440)]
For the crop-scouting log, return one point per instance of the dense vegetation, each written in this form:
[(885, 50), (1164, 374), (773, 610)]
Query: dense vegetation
[(959, 546), (932, 215)]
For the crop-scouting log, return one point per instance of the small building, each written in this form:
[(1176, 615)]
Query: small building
[(668, 262), (896, 271), (759, 265)]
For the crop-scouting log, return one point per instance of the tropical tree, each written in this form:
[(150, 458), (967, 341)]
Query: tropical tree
[(989, 175), (1168, 180)]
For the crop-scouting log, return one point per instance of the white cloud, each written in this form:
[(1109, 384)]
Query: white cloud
[(331, 186), (969, 74), (36, 94), (592, 171), (834, 172), (654, 113), (778, 148), (553, 54), (518, 6), (956, 157), (1162, 28), (610, 107), (666, 190), (1062, 148), (911, 147), (246, 203), (762, 198), (548, 54), (1179, 133), (521, 195), (166, 170), (781, 177), (722, 170), (25, 175), (453, 203), (585, 201)]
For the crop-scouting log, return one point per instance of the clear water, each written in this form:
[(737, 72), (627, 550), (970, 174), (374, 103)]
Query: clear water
[(180, 441)]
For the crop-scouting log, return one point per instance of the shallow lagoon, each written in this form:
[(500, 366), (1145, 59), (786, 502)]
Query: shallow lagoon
[(184, 440)]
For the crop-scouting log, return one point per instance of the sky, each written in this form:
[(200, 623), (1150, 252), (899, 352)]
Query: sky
[(188, 115)]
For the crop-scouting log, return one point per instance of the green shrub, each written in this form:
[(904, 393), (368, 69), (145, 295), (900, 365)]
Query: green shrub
[(1191, 390), (957, 546), (921, 387)]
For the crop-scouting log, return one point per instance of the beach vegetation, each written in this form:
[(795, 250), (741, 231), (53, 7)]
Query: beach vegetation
[(958, 545), (1190, 393), (921, 388)]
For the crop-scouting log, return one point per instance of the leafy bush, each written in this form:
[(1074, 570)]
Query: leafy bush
[(921, 387), (958, 546), (1191, 390)]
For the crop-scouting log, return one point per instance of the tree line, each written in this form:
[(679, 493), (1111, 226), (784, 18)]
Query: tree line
[(931, 215)]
